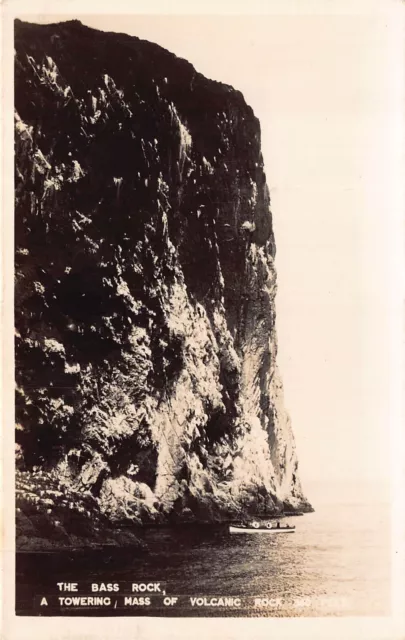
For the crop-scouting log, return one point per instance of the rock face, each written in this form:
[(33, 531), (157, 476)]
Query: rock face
[(145, 284)]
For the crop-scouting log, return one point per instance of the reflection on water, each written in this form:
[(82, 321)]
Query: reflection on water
[(336, 563)]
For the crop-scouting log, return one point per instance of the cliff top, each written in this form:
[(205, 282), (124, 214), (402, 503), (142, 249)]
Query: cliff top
[(161, 58)]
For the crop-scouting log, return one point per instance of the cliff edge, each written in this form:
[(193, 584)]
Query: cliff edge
[(147, 383)]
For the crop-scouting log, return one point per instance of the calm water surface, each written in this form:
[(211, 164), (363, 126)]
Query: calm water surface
[(336, 563)]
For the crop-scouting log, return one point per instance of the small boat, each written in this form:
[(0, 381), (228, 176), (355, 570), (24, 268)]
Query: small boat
[(260, 527)]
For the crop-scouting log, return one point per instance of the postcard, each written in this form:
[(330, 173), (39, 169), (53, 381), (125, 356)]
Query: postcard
[(204, 229)]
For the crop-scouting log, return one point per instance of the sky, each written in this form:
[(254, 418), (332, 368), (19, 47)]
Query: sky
[(326, 91)]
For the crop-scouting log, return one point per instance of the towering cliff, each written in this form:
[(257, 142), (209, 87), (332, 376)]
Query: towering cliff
[(147, 382)]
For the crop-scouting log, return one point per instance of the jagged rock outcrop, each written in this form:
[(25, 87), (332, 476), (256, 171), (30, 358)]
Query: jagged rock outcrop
[(145, 283)]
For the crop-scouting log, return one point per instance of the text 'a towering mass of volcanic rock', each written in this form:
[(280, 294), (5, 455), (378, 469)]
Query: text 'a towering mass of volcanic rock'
[(147, 384)]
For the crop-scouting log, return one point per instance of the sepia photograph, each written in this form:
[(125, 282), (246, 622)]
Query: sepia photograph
[(205, 313)]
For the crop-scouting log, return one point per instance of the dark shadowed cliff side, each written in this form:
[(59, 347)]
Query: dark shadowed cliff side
[(147, 384)]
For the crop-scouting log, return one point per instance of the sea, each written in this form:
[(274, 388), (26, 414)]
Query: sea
[(336, 563)]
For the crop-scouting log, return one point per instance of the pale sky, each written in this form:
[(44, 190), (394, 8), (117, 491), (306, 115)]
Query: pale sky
[(326, 93)]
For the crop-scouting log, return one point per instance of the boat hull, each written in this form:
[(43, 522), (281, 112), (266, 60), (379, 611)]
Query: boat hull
[(233, 529)]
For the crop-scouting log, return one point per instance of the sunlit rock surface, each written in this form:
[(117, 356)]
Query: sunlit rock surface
[(145, 284)]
